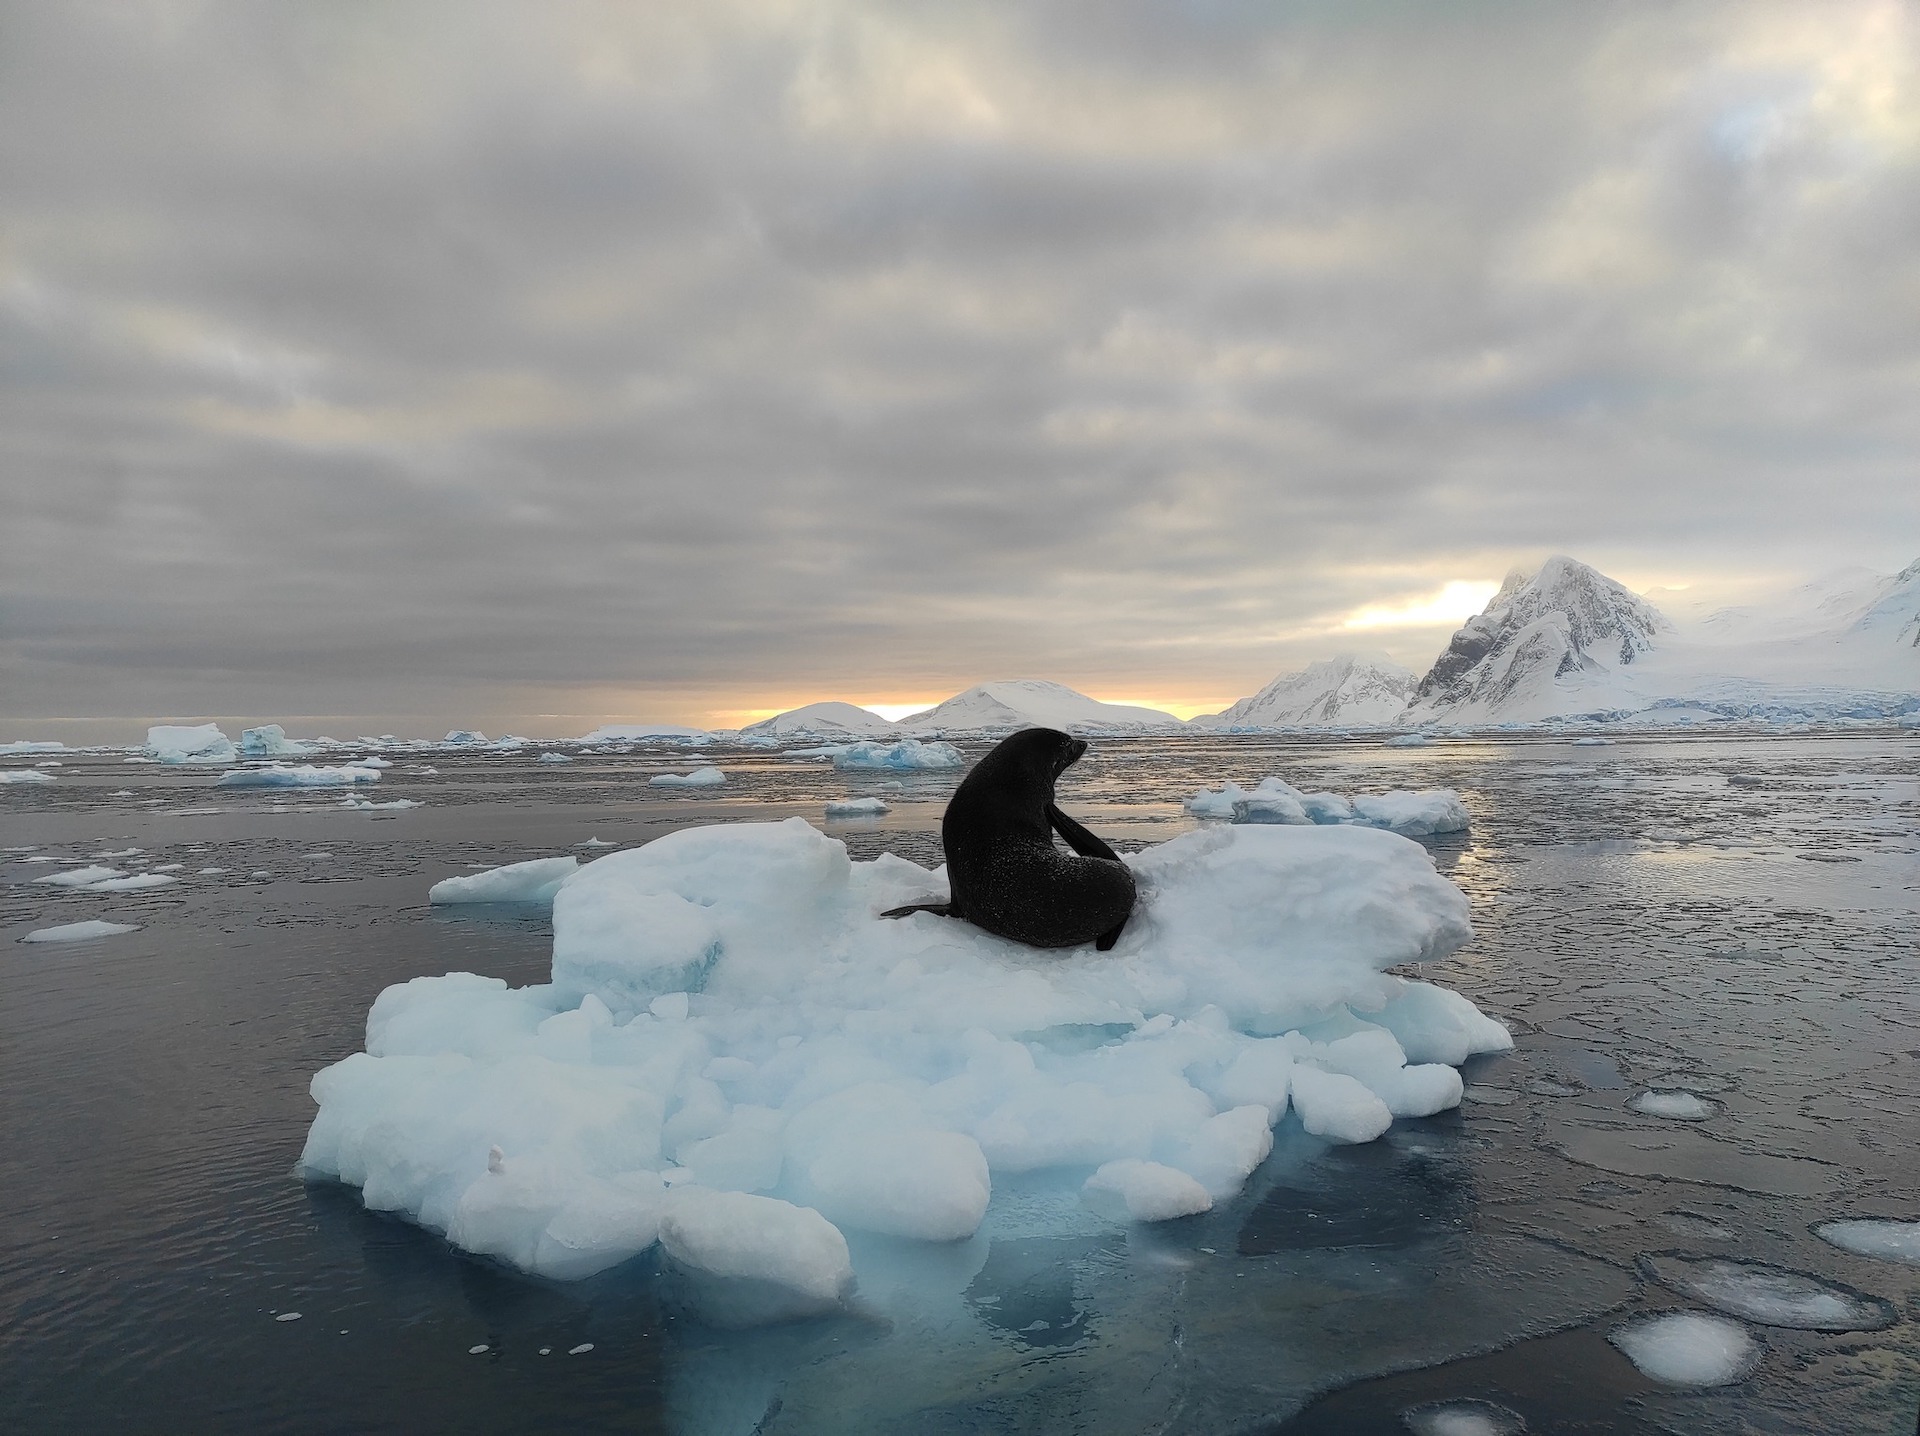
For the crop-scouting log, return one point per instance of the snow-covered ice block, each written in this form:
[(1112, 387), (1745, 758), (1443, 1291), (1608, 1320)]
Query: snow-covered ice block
[(856, 807), (24, 775), (1688, 1348), (270, 740), (756, 1258), (1675, 1106), (303, 775), (139, 882), (31, 746), (81, 877), (1409, 740), (196, 743), (1133, 1190), (368, 805), (80, 931), (907, 755), (536, 881), (728, 1012), (463, 738), (1417, 815), (707, 777), (551, 757)]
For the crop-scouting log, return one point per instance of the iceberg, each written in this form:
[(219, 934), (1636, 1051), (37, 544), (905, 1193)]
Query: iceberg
[(1428, 813), (202, 743), (907, 755), (729, 1019), (707, 777), (271, 741), (856, 807)]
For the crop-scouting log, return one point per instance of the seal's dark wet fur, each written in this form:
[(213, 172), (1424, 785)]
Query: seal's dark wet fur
[(1007, 876)]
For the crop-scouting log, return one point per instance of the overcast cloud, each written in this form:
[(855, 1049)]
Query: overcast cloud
[(414, 363)]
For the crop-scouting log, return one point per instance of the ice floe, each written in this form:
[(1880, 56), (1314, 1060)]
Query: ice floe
[(707, 777), (727, 1015), (198, 743), (1427, 813), (139, 882), (368, 805), (1887, 1241), (1409, 740), (1468, 1417), (1770, 1295), (1675, 1106), (856, 807), (80, 931), (80, 877), (304, 775), (551, 757), (25, 775), (1688, 1348), (535, 881)]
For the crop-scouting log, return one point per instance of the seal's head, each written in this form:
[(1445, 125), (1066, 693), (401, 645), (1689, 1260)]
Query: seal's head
[(1040, 754)]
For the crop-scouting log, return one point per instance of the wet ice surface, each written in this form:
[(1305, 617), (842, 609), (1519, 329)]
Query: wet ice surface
[(1648, 925)]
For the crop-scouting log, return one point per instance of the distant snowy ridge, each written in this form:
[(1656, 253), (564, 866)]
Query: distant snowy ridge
[(1352, 690), (1007, 704), (822, 720)]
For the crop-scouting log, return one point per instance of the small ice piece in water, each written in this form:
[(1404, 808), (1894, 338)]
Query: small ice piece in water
[(856, 807), (288, 1316), (25, 775), (1415, 815), (707, 777), (1688, 1348), (367, 805), (596, 843), (536, 881), (1887, 1241), (463, 737), (1409, 740), (1463, 1418), (581, 1350), (210, 872), (1674, 1106), (138, 883), (316, 856), (1134, 1190), (553, 758), (80, 877), (1591, 742), (1489, 1096), (198, 743), (476, 1350), (304, 775), (1771, 1295), (80, 931)]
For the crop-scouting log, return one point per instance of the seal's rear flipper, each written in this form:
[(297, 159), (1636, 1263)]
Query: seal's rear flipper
[(939, 909)]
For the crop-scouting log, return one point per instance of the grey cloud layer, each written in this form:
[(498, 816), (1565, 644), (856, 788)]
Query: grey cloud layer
[(454, 359)]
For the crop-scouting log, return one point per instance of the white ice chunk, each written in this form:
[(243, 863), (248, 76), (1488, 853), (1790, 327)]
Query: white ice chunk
[(553, 758), (1688, 1348), (856, 807), (707, 777), (1338, 1107), (1887, 1241), (545, 1220), (271, 741), (140, 882), (199, 743), (1675, 1106), (1468, 1417), (1225, 1149), (1409, 740), (303, 775), (794, 1258), (463, 738), (80, 877), (1772, 1296), (1134, 1190), (25, 775), (536, 881), (80, 931), (1417, 815)]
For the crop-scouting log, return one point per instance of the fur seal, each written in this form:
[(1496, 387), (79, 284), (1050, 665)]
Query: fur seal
[(1006, 874)]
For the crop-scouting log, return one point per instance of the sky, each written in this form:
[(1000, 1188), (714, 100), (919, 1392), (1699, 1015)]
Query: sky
[(391, 366)]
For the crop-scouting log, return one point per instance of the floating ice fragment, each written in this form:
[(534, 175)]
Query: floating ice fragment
[(596, 843), (80, 931), (754, 1259), (1133, 1190), (1888, 1241), (1463, 1418), (1409, 740), (909, 754), (1688, 1348), (581, 1350), (1675, 1106), (138, 883), (536, 882), (24, 775), (1418, 815), (200, 743), (270, 741), (1591, 742), (1770, 1295), (476, 1350), (856, 807), (288, 1316), (80, 877), (707, 777), (304, 775), (553, 758)]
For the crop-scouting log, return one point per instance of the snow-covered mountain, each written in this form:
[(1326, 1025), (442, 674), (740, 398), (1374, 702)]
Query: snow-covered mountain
[(1032, 702), (637, 732), (1569, 642), (1351, 690), (822, 720), (1560, 641)]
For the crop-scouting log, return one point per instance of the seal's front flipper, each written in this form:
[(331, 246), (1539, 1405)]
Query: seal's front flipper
[(938, 909), (1078, 838), (1106, 940)]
